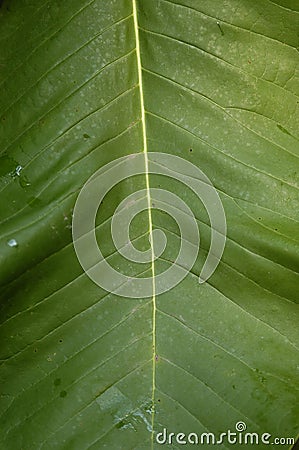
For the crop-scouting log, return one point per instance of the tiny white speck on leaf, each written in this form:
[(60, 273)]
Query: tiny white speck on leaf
[(12, 243)]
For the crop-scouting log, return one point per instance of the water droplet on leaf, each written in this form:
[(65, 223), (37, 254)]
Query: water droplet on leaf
[(12, 243)]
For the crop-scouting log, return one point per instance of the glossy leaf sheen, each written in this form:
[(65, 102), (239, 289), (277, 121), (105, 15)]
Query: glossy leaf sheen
[(220, 89)]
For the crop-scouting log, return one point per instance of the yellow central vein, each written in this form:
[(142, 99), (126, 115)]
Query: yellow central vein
[(139, 67)]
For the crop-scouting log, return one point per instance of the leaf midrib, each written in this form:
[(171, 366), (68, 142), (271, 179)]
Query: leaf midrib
[(150, 229)]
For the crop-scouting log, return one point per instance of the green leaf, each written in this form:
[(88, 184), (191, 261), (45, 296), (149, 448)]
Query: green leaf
[(82, 84)]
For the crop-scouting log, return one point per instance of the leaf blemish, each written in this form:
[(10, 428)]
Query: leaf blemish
[(284, 130), (219, 26), (63, 394)]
